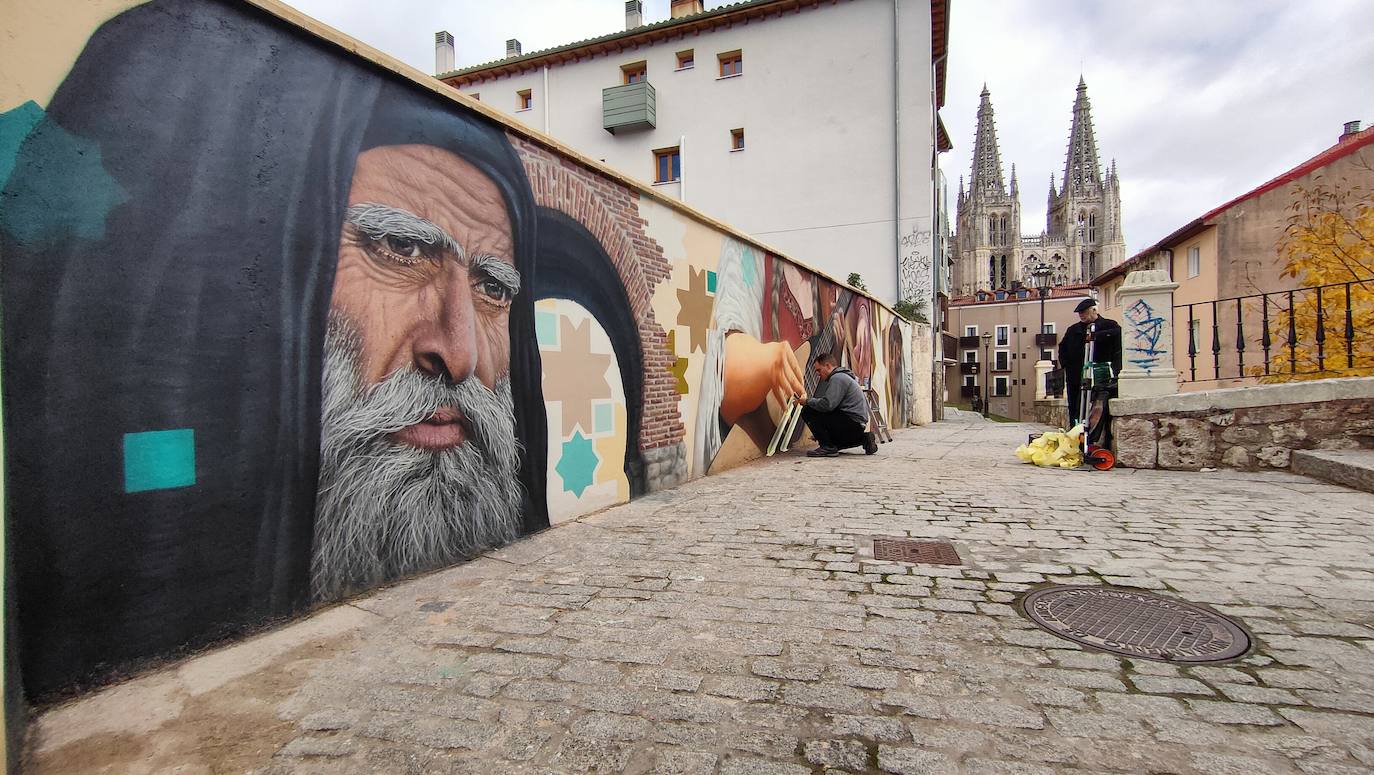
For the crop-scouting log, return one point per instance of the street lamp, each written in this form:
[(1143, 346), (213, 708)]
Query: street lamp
[(987, 371), (1041, 275)]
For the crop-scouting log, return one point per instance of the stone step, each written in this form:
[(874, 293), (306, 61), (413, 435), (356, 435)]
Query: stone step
[(1350, 467)]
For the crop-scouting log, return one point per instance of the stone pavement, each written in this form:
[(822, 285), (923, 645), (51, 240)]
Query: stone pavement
[(732, 626)]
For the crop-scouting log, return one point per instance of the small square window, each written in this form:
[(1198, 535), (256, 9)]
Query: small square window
[(731, 63), (685, 60), (524, 100), (737, 139), (637, 72), (667, 165)]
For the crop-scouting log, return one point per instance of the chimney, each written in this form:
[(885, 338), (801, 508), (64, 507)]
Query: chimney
[(683, 8), (1352, 128), (443, 52), (512, 48), (634, 14)]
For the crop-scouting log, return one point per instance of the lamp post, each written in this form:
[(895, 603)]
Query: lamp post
[(987, 371), (1041, 275)]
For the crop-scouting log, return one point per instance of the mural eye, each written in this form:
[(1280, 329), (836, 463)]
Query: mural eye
[(403, 247), (494, 290)]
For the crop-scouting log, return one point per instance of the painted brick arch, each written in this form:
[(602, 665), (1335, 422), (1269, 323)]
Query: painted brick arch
[(611, 213)]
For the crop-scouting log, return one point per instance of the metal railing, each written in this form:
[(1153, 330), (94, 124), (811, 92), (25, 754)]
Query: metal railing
[(1323, 329), (1054, 383)]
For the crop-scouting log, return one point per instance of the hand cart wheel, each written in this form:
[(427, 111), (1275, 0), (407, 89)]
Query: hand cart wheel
[(1101, 459)]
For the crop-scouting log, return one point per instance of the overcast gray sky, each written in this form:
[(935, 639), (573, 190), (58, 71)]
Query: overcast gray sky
[(1198, 100)]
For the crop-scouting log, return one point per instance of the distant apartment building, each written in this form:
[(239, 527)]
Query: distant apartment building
[(810, 125), (1227, 264), (998, 337)]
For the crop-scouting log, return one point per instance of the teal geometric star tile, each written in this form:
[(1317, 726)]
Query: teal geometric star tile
[(159, 460)]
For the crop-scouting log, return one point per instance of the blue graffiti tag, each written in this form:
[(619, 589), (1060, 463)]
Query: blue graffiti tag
[(1147, 329)]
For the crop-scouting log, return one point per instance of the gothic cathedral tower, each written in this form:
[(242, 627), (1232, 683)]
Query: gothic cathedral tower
[(1082, 236)]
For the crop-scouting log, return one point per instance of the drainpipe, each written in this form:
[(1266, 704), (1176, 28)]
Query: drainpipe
[(936, 345), (897, 145), (547, 101)]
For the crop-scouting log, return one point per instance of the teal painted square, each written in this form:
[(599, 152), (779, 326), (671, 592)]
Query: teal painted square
[(710, 281), (546, 328), (603, 418), (159, 460)]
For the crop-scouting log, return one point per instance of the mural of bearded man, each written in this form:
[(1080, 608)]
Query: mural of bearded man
[(269, 338)]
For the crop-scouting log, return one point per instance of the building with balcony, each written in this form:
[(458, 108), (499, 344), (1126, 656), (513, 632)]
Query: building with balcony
[(810, 125), (1001, 368)]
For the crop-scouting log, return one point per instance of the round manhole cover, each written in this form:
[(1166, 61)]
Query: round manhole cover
[(1136, 624)]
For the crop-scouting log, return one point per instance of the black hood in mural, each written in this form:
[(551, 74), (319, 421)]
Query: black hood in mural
[(169, 238)]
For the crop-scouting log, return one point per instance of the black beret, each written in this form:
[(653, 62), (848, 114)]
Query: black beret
[(1085, 304)]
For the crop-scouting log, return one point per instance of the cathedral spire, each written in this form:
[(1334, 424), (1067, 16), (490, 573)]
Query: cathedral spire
[(1081, 167), (1013, 180), (987, 159)]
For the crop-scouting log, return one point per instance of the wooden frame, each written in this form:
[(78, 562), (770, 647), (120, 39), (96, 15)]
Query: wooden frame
[(686, 59), (673, 159), (635, 72), (737, 139), (731, 63), (524, 99)]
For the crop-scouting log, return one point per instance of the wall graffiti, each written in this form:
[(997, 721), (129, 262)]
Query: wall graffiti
[(280, 341), (1147, 332)]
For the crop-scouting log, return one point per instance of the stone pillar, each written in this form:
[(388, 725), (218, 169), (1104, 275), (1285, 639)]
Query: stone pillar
[(1042, 370), (1147, 344)]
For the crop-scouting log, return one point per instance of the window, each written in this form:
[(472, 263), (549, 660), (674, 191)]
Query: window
[(667, 165), (1046, 355), (1001, 387), (524, 100), (637, 72), (1047, 328), (1092, 226), (970, 330), (737, 139), (1002, 336), (731, 64), (1194, 261), (970, 380), (1001, 361), (685, 60), (970, 356)]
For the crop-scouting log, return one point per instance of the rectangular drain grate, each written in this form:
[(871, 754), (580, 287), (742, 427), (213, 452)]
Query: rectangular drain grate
[(907, 550)]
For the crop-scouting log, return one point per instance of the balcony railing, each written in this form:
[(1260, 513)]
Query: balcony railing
[(969, 342), (968, 391), (968, 367), (1054, 383), (1322, 330), (950, 345), (1046, 340), (628, 108)]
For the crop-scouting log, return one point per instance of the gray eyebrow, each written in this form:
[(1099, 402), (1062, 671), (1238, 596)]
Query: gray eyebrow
[(379, 221), (499, 271)]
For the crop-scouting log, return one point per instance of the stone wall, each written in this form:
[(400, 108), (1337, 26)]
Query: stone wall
[(1249, 428), (922, 375), (1053, 412)]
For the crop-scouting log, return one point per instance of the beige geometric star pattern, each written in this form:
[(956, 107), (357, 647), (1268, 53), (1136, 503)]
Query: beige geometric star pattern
[(679, 367), (579, 372), (694, 309)]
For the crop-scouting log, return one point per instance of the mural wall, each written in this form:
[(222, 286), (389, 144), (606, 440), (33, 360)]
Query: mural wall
[(281, 326)]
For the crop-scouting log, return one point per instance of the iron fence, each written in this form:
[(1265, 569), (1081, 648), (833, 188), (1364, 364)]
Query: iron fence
[(1321, 330)]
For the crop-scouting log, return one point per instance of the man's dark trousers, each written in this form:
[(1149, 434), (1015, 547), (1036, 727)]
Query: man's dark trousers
[(833, 429)]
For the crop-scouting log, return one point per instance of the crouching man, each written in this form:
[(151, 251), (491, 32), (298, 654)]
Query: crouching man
[(838, 413)]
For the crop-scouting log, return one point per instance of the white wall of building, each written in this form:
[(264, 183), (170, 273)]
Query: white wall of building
[(821, 176)]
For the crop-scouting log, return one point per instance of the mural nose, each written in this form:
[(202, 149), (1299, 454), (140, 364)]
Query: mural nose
[(449, 350)]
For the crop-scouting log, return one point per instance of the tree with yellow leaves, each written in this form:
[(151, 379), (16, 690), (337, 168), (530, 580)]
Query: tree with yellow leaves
[(1328, 246)]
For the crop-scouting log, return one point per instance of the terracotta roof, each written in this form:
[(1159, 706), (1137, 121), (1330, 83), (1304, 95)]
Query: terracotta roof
[(1340, 150), (1059, 292)]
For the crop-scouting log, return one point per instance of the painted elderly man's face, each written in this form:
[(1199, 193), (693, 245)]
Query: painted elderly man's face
[(419, 458)]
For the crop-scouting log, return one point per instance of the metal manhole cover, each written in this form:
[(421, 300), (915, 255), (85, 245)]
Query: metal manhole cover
[(1136, 624), (907, 550)]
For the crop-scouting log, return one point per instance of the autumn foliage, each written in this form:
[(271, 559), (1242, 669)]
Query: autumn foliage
[(1328, 246)]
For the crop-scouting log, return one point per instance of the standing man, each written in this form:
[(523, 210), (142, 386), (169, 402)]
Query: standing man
[(1105, 338), (838, 414)]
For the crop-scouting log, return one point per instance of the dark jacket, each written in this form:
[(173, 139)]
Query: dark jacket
[(841, 393), (1106, 335)]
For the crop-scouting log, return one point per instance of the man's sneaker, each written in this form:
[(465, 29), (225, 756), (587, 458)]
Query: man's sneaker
[(870, 444), (823, 452)]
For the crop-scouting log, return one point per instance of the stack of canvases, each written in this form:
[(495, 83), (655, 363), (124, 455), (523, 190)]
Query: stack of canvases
[(281, 326)]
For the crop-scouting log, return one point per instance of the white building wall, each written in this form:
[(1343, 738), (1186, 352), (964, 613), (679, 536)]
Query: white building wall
[(820, 177)]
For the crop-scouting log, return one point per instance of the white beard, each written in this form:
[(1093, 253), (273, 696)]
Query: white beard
[(386, 510)]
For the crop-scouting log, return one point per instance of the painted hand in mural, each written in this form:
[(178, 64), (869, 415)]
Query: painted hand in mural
[(755, 369)]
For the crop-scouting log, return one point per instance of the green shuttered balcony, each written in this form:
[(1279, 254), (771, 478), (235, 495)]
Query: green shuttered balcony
[(628, 108)]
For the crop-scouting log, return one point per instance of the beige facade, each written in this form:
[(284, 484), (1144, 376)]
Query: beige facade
[(1229, 266), (1006, 373)]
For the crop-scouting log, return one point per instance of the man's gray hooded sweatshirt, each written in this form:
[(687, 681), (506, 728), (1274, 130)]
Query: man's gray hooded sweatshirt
[(841, 393)]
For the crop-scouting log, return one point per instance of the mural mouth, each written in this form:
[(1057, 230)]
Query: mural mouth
[(445, 429)]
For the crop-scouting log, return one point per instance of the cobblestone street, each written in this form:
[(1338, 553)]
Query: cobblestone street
[(734, 626)]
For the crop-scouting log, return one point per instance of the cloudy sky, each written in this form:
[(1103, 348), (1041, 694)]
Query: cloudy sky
[(1198, 100)]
